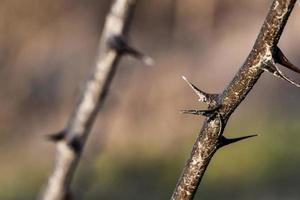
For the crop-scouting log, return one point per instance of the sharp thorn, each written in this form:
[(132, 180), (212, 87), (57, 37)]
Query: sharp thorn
[(284, 77), (206, 113), (56, 137), (281, 59), (196, 112), (273, 69), (226, 141), (203, 96)]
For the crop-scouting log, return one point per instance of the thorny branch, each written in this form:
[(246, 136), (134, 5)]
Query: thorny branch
[(113, 44), (263, 57)]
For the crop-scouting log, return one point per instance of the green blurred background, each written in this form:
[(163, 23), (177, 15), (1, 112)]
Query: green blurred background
[(140, 141)]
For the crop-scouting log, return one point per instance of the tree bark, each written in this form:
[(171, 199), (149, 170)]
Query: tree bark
[(70, 141), (262, 58)]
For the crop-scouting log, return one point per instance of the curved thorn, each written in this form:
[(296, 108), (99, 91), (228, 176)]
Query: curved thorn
[(281, 59), (284, 77), (226, 141), (273, 69), (203, 96)]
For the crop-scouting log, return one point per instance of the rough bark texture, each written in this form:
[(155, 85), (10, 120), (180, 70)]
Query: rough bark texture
[(210, 137), (71, 141)]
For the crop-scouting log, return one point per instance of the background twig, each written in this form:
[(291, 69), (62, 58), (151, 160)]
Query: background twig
[(71, 140)]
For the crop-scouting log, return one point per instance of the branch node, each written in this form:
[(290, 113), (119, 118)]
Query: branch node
[(119, 43), (226, 141), (203, 96), (76, 144)]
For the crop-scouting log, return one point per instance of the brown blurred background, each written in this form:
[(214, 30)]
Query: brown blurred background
[(140, 141)]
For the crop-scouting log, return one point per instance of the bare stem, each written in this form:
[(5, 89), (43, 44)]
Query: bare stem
[(71, 141), (210, 135)]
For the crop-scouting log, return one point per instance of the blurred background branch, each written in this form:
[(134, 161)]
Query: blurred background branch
[(71, 140)]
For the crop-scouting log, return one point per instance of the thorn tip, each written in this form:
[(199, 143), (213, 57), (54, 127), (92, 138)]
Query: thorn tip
[(148, 61), (203, 96), (226, 141)]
